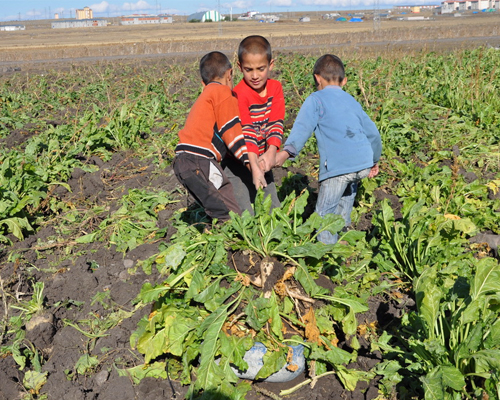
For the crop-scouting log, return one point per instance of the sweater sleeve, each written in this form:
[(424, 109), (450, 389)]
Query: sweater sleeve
[(373, 136), (229, 128), (246, 121), (304, 125), (276, 117)]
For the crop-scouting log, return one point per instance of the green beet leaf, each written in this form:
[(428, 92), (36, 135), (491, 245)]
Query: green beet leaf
[(210, 374), (151, 293), (351, 377), (273, 360), (34, 380), (173, 257), (487, 278), (233, 350), (155, 370)]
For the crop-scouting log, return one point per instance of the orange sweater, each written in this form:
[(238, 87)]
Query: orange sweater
[(213, 126)]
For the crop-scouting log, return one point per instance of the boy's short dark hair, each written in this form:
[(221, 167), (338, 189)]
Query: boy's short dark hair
[(213, 65), (254, 44), (330, 68)]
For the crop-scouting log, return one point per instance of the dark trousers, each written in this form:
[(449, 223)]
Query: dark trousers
[(207, 183), (244, 189)]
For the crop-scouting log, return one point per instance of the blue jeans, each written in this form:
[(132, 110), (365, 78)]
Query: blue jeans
[(336, 196)]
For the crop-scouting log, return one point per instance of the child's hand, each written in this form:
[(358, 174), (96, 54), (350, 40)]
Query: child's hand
[(268, 160), (281, 157), (254, 165), (258, 178), (374, 171)]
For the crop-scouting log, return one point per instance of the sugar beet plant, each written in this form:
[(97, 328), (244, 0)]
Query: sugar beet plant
[(439, 119), (209, 310)]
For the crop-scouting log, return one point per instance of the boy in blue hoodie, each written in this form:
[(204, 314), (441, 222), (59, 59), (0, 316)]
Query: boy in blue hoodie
[(349, 143)]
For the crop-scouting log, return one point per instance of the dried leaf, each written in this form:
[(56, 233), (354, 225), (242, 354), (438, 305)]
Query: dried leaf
[(244, 279), (312, 331)]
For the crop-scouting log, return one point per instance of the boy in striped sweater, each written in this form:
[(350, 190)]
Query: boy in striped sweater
[(213, 129), (262, 111)]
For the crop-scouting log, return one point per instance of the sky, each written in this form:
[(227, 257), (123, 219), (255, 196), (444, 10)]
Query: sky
[(16, 10)]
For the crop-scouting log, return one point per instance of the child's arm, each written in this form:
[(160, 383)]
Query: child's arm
[(274, 136), (258, 178), (303, 127), (281, 157)]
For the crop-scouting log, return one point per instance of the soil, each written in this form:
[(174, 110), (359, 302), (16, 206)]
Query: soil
[(75, 278), (85, 282)]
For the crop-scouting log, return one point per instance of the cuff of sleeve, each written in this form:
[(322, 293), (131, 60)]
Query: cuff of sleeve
[(274, 141), (253, 148), (290, 149), (244, 159)]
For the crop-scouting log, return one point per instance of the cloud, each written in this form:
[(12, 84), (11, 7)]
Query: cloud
[(33, 14), (13, 17), (101, 7), (280, 3), (242, 4), (140, 5)]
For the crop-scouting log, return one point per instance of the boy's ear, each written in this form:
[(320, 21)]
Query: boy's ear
[(229, 75), (203, 84), (344, 81), (239, 66), (316, 79), (271, 64)]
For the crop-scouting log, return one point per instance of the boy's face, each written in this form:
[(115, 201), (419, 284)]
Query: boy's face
[(256, 70)]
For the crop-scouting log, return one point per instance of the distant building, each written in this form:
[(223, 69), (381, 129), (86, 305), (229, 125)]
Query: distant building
[(166, 19), (266, 18), (141, 19), (247, 16), (204, 16), (330, 15), (415, 8), (80, 23), (86, 13), (12, 27), (305, 19), (450, 6)]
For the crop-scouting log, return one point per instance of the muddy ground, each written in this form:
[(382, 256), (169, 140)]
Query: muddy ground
[(74, 277)]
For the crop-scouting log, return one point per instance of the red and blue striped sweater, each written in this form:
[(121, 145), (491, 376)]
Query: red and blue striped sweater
[(261, 117)]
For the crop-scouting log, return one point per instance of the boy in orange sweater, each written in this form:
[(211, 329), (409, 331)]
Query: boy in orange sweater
[(213, 129)]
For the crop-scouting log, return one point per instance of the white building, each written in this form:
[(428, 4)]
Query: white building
[(450, 6), (247, 16), (12, 27), (266, 18), (79, 23), (139, 19), (205, 16)]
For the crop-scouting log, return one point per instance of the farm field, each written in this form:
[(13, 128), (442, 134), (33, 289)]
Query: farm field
[(114, 285), (39, 45)]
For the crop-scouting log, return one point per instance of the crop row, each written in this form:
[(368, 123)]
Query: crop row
[(439, 117)]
